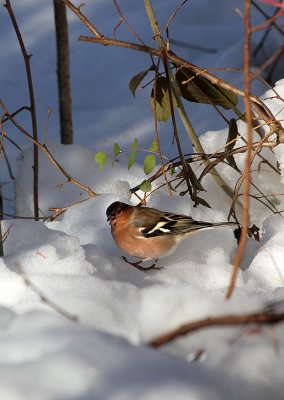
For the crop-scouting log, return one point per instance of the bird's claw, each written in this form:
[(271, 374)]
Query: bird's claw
[(138, 266)]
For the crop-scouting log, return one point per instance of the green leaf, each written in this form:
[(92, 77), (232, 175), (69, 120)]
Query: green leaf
[(131, 159), (232, 135), (137, 79), (196, 88), (101, 157), (153, 146), (172, 171), (163, 107), (135, 145), (145, 186), (116, 149), (149, 163), (132, 156)]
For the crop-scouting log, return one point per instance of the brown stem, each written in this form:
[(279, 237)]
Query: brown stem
[(246, 196), (83, 18), (214, 322), (58, 309), (47, 152), (260, 108), (32, 106), (199, 157)]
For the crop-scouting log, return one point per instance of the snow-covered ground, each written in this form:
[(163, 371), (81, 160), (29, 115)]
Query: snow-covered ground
[(73, 261)]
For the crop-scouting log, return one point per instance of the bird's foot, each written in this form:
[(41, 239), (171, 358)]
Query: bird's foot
[(138, 266)]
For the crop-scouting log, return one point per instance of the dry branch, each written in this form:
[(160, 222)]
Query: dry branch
[(32, 107), (246, 196), (261, 318), (43, 147)]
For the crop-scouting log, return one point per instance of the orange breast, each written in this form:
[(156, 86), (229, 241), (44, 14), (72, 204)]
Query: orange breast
[(145, 248)]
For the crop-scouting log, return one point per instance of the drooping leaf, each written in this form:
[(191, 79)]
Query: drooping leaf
[(131, 159), (137, 79), (101, 158), (149, 163), (116, 149), (194, 180), (153, 146), (163, 107), (145, 186), (232, 135), (201, 201), (198, 89)]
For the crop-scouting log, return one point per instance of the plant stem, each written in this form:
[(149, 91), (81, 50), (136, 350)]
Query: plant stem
[(186, 122), (247, 177), (32, 108)]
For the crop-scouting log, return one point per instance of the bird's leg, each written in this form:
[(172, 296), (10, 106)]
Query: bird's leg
[(154, 265), (138, 266)]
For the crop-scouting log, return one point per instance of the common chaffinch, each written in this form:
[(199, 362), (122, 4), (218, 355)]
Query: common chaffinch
[(149, 233)]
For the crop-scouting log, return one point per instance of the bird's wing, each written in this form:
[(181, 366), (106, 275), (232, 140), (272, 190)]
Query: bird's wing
[(153, 222)]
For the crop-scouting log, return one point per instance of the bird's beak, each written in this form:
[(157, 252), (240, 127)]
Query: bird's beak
[(110, 218)]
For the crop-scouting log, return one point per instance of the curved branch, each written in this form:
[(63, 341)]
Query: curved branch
[(43, 147), (214, 322)]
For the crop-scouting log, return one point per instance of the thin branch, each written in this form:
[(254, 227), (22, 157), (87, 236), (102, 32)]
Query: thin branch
[(261, 318), (269, 61), (49, 111), (60, 210), (246, 196), (90, 192), (199, 157), (260, 108), (276, 26), (83, 18), (175, 13), (59, 310), (32, 106)]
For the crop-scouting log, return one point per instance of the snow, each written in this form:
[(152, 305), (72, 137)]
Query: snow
[(75, 265)]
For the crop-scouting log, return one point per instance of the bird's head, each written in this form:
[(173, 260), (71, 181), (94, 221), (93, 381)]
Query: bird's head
[(114, 210)]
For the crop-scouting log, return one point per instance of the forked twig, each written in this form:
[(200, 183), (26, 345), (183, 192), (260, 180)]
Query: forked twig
[(43, 147)]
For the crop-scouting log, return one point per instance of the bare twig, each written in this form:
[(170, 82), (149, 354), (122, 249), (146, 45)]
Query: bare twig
[(260, 108), (269, 61), (43, 147), (49, 111), (83, 18), (60, 210), (260, 318), (8, 165), (157, 136), (276, 26), (175, 13), (246, 196), (32, 106), (44, 298)]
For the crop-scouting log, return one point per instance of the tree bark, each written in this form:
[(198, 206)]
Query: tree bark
[(63, 72)]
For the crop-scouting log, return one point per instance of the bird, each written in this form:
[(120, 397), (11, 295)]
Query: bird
[(150, 234)]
